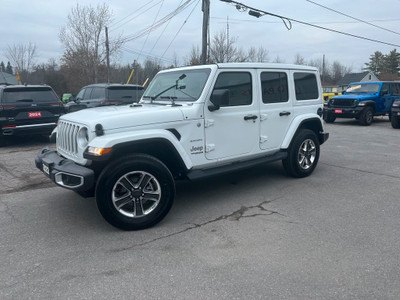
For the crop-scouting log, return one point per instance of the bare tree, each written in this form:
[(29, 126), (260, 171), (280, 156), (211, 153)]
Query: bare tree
[(22, 57), (223, 49), (82, 39), (194, 57), (299, 60)]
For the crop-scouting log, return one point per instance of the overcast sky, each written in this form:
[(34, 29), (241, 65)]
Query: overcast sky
[(40, 21)]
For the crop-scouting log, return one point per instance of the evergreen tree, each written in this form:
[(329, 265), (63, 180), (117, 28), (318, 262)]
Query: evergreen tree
[(2, 67), (392, 62), (9, 68), (376, 63)]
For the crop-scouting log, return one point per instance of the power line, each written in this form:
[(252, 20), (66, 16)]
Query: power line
[(134, 17), (158, 23), (274, 22), (179, 30), (354, 18), (287, 21), (149, 55), (147, 37), (162, 33)]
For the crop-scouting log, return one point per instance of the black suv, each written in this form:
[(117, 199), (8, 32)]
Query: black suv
[(103, 94), (28, 109), (395, 114)]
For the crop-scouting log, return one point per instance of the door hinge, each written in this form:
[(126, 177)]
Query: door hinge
[(208, 123), (210, 147), (263, 139), (263, 117)]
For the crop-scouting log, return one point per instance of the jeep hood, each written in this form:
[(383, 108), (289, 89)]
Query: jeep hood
[(113, 117), (361, 96)]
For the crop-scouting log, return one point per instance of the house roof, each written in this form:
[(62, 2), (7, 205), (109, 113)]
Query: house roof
[(7, 79), (352, 77)]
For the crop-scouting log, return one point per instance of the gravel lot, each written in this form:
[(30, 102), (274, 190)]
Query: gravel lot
[(256, 234)]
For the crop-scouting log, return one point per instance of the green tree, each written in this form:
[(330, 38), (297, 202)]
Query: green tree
[(376, 63), (2, 67), (392, 62)]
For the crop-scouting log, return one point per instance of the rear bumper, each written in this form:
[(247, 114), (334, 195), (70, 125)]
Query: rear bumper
[(64, 172), (42, 128)]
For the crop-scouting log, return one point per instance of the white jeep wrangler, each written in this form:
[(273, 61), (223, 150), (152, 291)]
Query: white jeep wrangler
[(191, 122)]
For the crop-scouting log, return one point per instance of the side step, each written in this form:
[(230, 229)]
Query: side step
[(235, 166)]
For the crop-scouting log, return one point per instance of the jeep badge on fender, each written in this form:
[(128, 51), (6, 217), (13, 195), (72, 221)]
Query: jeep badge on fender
[(190, 123)]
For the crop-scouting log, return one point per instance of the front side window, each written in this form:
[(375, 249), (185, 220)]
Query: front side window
[(385, 89), (396, 89), (239, 86), (306, 86), (80, 94), (274, 86), (87, 96), (185, 85)]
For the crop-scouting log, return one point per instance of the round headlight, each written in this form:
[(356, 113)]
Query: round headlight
[(83, 137)]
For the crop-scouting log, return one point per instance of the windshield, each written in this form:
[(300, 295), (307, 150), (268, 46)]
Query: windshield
[(173, 85), (29, 95), (370, 88)]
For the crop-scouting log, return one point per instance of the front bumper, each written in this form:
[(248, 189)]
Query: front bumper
[(64, 172), (343, 112)]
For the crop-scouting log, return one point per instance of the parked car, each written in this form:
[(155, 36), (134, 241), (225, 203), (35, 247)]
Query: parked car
[(395, 114), (329, 92), (66, 97), (28, 109), (103, 94), (363, 101), (192, 122)]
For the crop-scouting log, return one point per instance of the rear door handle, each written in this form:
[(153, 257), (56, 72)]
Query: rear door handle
[(250, 117), (284, 113)]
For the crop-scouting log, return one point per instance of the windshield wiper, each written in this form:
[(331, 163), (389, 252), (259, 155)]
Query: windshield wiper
[(169, 88)]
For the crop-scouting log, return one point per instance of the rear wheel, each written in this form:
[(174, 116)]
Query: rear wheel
[(135, 192), (367, 116), (303, 154), (395, 122)]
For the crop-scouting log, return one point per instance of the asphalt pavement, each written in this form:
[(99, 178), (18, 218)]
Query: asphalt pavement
[(256, 234)]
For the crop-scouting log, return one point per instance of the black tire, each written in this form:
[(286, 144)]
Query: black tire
[(395, 122), (303, 154), (367, 116), (330, 118), (145, 188)]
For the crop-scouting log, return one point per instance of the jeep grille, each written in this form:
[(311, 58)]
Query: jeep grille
[(342, 102), (67, 138)]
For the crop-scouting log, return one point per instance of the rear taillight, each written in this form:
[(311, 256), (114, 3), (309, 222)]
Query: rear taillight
[(5, 107), (9, 126)]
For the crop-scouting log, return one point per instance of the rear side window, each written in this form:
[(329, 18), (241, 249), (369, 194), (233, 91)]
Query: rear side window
[(306, 86), (396, 89), (274, 87), (29, 95), (125, 93), (98, 93), (239, 86)]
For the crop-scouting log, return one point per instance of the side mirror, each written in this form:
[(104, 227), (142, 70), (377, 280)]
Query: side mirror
[(218, 98)]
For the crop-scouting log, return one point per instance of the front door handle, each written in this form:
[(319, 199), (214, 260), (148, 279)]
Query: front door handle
[(284, 113), (250, 117)]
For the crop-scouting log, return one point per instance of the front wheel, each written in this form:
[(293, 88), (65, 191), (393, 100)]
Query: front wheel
[(395, 122), (135, 192), (367, 116), (303, 154), (330, 118)]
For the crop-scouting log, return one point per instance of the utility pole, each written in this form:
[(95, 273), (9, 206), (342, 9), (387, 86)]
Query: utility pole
[(108, 56), (323, 69), (206, 17)]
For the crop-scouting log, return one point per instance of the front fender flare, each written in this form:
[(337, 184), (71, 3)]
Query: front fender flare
[(297, 123), (113, 140)]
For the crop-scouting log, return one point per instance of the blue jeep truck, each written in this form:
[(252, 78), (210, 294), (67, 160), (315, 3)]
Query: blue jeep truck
[(363, 101)]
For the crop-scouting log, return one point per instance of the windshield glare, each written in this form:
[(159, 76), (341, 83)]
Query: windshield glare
[(370, 88), (189, 88)]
